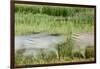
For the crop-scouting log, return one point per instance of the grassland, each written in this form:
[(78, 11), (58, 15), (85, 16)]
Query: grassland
[(53, 20)]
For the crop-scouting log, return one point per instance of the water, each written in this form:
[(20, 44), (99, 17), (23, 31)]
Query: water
[(34, 43)]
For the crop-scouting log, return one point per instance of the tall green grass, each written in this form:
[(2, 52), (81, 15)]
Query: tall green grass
[(29, 23), (30, 19), (52, 10)]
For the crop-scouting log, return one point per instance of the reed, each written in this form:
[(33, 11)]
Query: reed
[(56, 20)]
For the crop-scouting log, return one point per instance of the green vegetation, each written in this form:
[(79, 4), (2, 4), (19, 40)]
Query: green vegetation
[(28, 20), (52, 11), (56, 20), (89, 52)]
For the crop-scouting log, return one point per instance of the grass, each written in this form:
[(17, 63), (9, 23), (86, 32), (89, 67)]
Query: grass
[(47, 59), (89, 52), (78, 19), (28, 24), (54, 20)]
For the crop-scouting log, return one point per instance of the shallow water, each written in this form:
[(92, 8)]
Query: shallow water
[(43, 42), (35, 42)]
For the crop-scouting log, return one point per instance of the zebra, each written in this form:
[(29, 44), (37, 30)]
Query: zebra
[(82, 41)]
